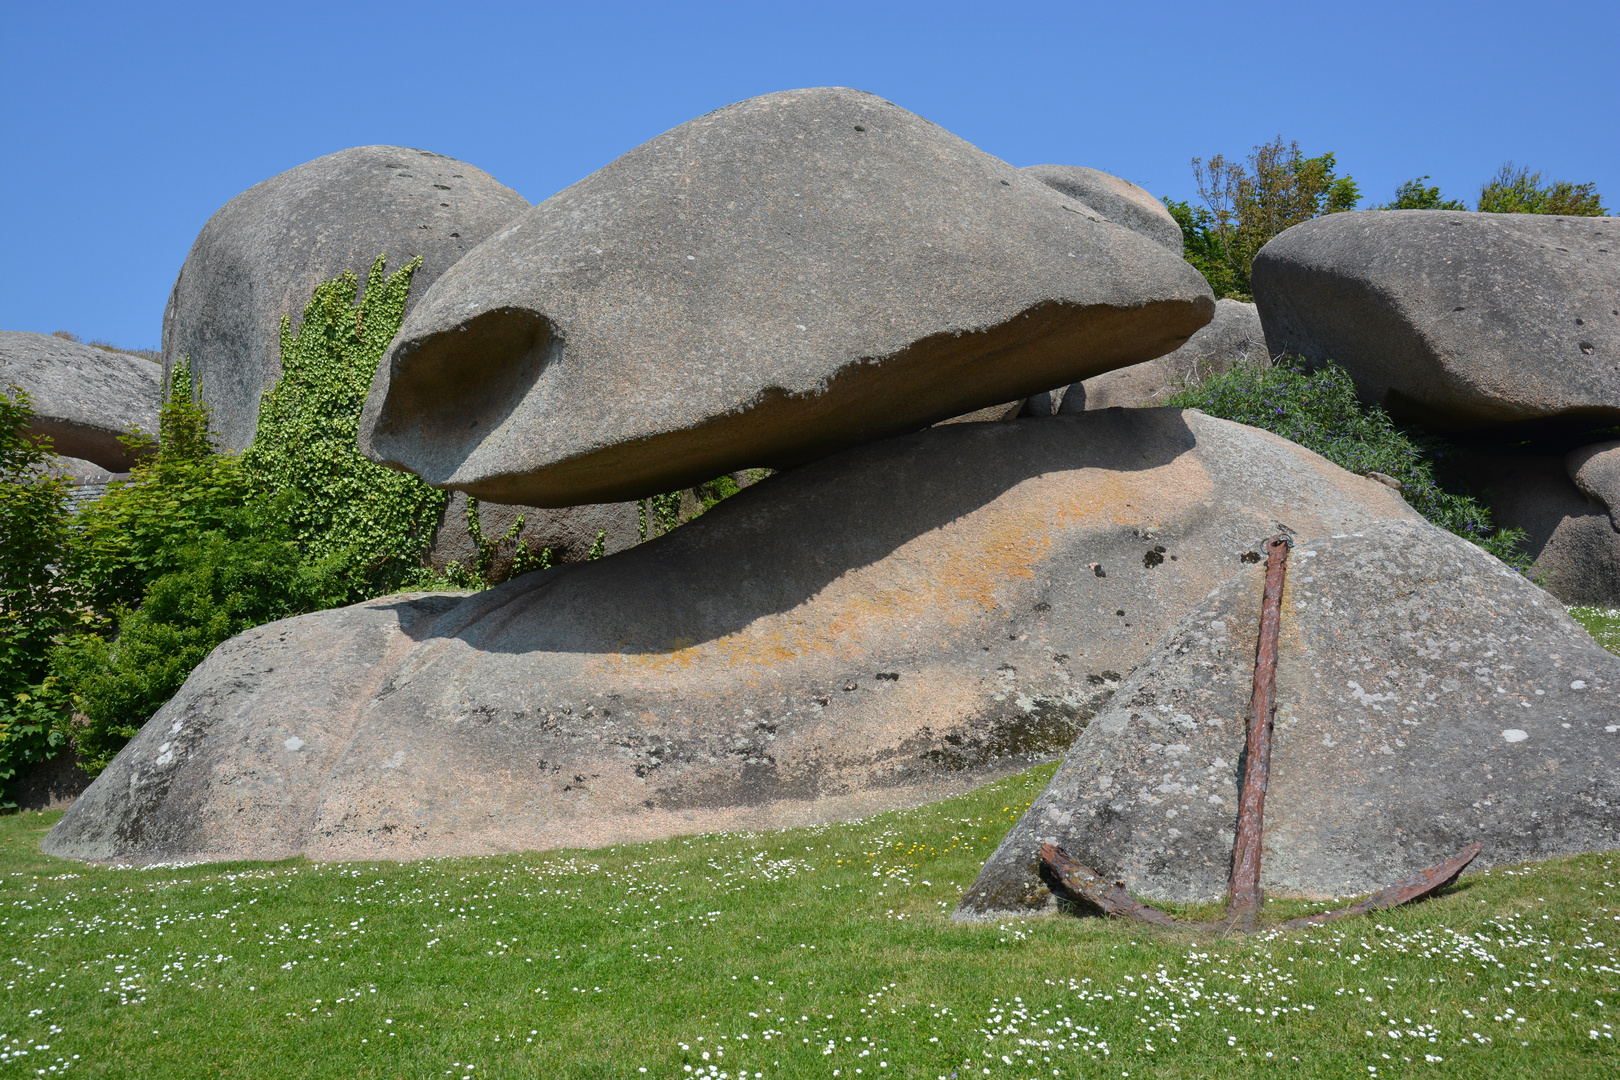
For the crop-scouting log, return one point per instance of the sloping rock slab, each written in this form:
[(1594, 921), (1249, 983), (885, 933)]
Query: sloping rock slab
[(1454, 319), (763, 285), (84, 398), (1114, 199), (262, 254), (1232, 337), (1427, 697), (879, 629)]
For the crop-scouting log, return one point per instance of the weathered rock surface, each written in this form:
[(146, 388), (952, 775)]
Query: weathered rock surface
[(1569, 534), (1453, 319), (878, 629), (262, 254), (763, 285), (84, 398), (1114, 199), (1427, 697), (1233, 337), (1596, 471), (570, 532)]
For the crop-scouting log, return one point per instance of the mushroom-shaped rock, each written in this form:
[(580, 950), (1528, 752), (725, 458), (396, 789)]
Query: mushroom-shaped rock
[(761, 286), (262, 254), (878, 629), (85, 398), (1114, 199), (1427, 697), (1454, 319)]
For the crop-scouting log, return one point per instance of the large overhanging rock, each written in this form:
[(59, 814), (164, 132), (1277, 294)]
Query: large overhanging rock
[(262, 254), (763, 285), (1427, 697), (1454, 319), (879, 629), (85, 398)]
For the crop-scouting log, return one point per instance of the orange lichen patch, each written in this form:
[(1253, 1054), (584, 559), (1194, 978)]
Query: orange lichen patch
[(949, 578)]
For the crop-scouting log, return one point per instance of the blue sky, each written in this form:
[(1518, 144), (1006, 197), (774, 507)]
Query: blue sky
[(124, 126)]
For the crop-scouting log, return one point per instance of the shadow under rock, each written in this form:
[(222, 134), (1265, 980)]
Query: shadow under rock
[(777, 544)]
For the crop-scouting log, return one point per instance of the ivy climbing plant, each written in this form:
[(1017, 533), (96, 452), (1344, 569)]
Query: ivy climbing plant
[(378, 520)]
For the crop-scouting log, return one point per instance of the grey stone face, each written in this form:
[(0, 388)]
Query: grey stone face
[(1427, 697), (1114, 199), (1596, 471), (1569, 534), (84, 397), (878, 629), (763, 285), (262, 254), (1453, 319)]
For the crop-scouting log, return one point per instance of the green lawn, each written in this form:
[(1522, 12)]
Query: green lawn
[(821, 953), (1602, 623)]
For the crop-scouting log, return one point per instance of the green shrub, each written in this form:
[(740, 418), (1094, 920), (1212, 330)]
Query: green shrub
[(138, 529), (1520, 191), (35, 606), (378, 521), (1413, 195), (228, 584), (1319, 410)]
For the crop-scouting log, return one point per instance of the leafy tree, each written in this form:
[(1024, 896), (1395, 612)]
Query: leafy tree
[(1520, 191), (1413, 195), (1319, 410), (1249, 203)]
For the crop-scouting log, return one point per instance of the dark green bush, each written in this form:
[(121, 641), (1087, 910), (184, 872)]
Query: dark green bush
[(1319, 410), (35, 607), (228, 584)]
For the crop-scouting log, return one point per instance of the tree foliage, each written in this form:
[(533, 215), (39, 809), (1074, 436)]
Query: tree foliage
[(1520, 191), (1247, 203), (1413, 195)]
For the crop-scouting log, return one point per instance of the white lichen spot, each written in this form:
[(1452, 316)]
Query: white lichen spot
[(294, 743), (1513, 734)]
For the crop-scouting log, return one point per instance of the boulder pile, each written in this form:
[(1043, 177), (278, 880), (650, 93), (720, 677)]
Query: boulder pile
[(881, 628), (1501, 329), (959, 570)]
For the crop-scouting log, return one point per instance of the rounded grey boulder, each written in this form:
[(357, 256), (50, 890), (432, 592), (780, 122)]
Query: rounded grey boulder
[(1113, 199), (1427, 697), (761, 286), (262, 254), (85, 398), (1452, 319), (877, 629)]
